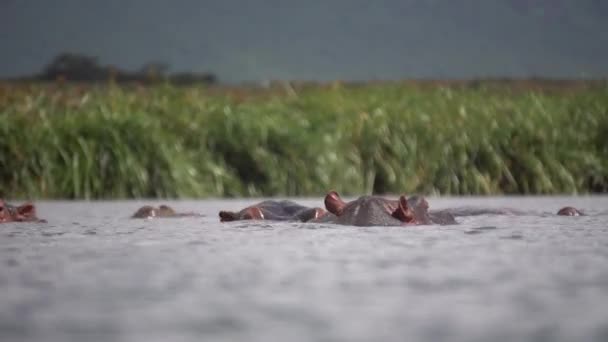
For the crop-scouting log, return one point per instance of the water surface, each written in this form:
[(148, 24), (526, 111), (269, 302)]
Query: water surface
[(93, 274)]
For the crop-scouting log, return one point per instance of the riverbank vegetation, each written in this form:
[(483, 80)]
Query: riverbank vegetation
[(108, 141)]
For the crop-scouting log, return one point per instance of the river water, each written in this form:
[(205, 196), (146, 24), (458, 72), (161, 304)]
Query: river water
[(92, 273)]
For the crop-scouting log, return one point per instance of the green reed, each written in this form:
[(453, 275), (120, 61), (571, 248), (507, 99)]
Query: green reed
[(74, 141)]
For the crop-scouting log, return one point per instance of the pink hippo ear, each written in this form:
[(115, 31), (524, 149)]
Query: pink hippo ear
[(26, 210), (334, 204), (403, 212)]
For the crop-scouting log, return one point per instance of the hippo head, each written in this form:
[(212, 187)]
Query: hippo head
[(569, 211), (420, 207), (310, 214), (22, 213), (376, 211), (250, 213), (274, 211), (148, 211)]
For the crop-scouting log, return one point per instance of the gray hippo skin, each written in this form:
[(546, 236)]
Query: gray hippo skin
[(421, 208), (273, 210), (378, 211), (570, 211), (148, 211), (472, 211)]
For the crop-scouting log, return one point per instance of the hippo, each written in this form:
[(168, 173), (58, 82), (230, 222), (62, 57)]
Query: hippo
[(23, 213), (472, 211), (378, 211), (148, 211), (570, 211), (421, 207), (367, 211), (274, 210)]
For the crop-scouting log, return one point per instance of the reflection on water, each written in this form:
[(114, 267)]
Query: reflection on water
[(93, 274)]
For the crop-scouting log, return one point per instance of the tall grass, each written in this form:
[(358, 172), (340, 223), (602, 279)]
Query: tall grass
[(71, 141)]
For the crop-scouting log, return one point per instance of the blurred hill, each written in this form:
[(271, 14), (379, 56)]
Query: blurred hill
[(316, 39), (82, 68)]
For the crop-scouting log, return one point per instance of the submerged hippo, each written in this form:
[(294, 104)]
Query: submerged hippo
[(23, 213), (471, 211), (379, 211), (570, 211), (367, 211), (148, 211), (274, 210)]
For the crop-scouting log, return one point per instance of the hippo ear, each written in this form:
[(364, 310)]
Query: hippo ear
[(403, 212), (227, 216), (27, 210), (334, 204)]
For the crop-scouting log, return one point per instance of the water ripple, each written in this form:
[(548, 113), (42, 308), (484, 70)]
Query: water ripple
[(97, 276)]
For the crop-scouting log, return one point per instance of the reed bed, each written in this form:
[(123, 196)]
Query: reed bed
[(110, 141)]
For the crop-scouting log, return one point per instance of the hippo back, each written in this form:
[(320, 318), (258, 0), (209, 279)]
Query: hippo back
[(473, 211)]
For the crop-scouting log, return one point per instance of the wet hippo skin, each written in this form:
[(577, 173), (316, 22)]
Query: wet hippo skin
[(570, 211), (148, 211), (473, 211), (274, 210), (379, 211), (368, 211)]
